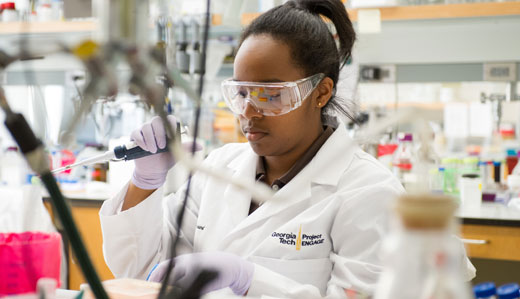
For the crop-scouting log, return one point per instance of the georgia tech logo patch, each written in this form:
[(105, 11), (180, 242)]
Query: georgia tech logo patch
[(300, 240)]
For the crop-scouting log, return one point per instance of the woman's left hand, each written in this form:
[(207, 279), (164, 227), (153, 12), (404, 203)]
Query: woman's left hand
[(233, 271)]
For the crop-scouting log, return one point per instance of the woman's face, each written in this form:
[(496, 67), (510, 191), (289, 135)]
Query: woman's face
[(264, 59)]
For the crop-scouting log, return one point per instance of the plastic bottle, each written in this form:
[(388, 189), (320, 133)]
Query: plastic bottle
[(509, 291), (470, 186), (14, 168), (511, 160), (513, 184), (402, 159), (484, 173), (24, 9), (437, 180), (57, 10), (9, 13), (385, 152), (451, 175), (485, 290), (470, 166), (44, 11), (422, 258)]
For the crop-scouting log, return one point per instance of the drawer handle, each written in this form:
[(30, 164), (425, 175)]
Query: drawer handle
[(475, 242)]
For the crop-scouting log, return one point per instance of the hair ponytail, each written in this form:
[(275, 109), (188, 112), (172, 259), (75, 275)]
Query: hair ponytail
[(335, 11), (299, 24)]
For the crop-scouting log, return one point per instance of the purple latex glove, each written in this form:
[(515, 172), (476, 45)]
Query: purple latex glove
[(233, 271), (150, 172)]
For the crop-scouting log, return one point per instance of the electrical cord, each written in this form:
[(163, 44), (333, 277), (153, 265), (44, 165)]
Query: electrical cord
[(180, 216)]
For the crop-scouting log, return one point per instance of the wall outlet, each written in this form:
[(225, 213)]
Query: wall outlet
[(378, 73), (500, 72)]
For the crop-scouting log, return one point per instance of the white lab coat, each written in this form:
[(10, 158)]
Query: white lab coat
[(339, 202)]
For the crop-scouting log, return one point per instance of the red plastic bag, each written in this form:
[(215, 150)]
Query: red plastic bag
[(27, 257)]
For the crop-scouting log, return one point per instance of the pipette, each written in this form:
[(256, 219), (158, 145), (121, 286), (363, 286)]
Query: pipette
[(127, 152)]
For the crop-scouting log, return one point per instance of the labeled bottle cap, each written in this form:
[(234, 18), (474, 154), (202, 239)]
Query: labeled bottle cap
[(511, 152), (405, 137)]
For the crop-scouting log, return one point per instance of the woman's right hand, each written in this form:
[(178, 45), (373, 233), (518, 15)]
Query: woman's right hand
[(150, 172)]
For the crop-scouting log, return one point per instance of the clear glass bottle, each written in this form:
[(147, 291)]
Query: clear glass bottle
[(403, 157), (423, 259), (485, 290)]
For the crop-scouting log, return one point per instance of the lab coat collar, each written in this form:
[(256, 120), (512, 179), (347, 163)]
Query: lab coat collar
[(327, 166), (333, 158)]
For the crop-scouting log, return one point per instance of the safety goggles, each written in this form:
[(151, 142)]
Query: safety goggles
[(270, 99)]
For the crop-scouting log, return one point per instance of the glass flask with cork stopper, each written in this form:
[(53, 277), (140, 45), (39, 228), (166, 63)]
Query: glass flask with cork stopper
[(423, 258)]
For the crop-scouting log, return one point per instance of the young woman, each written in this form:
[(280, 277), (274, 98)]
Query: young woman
[(322, 231)]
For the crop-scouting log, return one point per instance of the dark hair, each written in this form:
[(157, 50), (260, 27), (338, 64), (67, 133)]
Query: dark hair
[(300, 25)]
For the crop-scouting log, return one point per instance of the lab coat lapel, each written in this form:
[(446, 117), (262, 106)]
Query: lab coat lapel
[(238, 201)]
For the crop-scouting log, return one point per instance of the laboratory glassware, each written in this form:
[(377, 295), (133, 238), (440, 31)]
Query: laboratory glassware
[(402, 160), (423, 259)]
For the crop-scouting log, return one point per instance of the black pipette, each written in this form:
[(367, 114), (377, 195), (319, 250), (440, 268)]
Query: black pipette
[(127, 152)]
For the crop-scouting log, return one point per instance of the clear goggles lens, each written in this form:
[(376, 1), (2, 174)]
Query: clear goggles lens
[(270, 99)]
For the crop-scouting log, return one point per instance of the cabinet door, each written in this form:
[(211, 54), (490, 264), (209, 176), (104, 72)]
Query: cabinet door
[(492, 242), (87, 220)]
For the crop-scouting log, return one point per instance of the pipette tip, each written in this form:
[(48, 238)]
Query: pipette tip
[(61, 169)]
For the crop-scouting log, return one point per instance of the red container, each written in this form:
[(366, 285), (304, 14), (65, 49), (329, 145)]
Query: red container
[(27, 257), (386, 149), (511, 162)]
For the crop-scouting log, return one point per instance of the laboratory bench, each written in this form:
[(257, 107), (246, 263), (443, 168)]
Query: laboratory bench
[(492, 239), (491, 232)]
